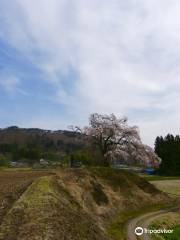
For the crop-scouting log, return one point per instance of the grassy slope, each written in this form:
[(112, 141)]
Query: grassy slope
[(169, 185), (80, 204), (124, 180), (175, 235), (117, 228), (47, 211), (127, 182), (169, 221)]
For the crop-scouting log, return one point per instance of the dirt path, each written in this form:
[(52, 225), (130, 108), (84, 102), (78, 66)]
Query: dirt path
[(144, 221)]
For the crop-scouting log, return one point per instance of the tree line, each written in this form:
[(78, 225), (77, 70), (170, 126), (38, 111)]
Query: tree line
[(107, 140), (168, 149)]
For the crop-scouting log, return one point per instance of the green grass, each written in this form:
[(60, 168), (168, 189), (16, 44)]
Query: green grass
[(169, 236), (168, 221), (15, 169), (175, 235), (116, 228), (157, 177), (171, 187)]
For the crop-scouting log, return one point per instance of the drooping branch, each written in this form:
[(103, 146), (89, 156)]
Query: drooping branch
[(116, 139)]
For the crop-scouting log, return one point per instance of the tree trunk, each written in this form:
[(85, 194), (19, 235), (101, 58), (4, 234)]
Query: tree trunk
[(106, 162)]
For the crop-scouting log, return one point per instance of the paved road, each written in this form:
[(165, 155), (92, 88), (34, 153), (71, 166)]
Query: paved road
[(144, 221)]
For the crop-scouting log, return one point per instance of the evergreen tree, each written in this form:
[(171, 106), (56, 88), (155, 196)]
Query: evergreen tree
[(168, 149)]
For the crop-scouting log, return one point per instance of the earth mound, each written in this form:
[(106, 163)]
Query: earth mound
[(76, 204)]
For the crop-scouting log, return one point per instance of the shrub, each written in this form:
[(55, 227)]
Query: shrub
[(4, 162)]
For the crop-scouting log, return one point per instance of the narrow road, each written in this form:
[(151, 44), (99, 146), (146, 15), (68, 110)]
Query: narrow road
[(144, 221)]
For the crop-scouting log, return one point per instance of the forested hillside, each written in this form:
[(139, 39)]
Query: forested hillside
[(20, 144)]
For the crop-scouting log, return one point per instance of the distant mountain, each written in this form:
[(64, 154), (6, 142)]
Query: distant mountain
[(60, 140)]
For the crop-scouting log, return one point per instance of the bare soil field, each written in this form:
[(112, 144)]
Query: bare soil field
[(12, 185)]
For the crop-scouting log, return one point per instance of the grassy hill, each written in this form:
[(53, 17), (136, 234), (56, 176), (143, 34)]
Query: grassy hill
[(79, 204)]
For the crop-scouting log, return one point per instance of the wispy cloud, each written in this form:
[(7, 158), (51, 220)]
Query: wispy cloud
[(11, 84), (124, 55)]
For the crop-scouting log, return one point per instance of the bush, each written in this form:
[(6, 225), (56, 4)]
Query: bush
[(4, 162), (83, 157)]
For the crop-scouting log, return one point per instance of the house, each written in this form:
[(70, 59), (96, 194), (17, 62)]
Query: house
[(43, 162), (18, 164), (13, 164)]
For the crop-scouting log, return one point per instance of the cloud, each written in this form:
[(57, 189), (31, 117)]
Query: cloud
[(11, 84), (124, 55)]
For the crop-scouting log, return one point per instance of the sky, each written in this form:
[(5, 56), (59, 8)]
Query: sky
[(61, 60)]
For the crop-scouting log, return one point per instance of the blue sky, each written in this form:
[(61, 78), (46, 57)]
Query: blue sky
[(61, 60)]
